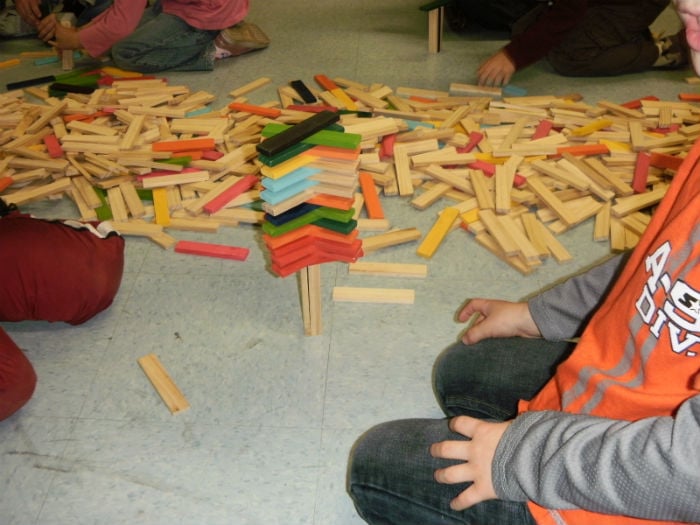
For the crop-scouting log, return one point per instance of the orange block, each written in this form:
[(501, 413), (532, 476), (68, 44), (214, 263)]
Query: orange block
[(584, 149), (369, 191), (184, 145), (331, 201), (5, 182), (255, 110)]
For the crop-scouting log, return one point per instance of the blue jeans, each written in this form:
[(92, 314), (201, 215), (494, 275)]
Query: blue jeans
[(390, 473), (163, 41)]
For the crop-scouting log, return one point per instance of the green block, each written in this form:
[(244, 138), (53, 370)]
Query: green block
[(319, 216), (104, 212), (287, 154), (341, 227), (325, 137)]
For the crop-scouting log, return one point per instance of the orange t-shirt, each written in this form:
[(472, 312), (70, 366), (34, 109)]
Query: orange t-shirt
[(638, 356)]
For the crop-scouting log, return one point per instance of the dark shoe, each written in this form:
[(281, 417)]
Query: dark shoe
[(241, 38)]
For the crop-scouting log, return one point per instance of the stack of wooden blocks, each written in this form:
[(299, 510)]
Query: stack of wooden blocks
[(310, 175)]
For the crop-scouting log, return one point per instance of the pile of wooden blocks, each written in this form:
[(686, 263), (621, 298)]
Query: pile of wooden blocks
[(514, 171)]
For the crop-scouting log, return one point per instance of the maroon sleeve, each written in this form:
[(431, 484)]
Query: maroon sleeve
[(550, 28), (17, 377), (53, 272)]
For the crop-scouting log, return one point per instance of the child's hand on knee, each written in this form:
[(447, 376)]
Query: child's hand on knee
[(497, 319), (477, 452)]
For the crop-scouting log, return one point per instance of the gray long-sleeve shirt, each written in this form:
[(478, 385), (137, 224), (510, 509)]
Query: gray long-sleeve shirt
[(647, 469)]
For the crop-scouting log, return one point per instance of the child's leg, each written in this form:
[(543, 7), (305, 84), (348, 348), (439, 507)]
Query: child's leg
[(17, 377), (163, 42), (611, 40), (391, 471), (391, 480), (487, 379)]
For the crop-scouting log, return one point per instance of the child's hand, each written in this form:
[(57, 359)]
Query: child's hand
[(477, 453), (496, 71), (66, 38), (29, 10), (497, 319), (46, 28)]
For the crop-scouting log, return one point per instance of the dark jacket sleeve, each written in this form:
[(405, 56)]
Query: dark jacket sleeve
[(547, 31)]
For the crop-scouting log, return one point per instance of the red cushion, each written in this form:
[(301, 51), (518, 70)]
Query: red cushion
[(54, 272), (17, 377)]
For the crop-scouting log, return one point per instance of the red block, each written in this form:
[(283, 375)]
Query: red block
[(641, 172), (53, 146), (234, 191), (206, 249)]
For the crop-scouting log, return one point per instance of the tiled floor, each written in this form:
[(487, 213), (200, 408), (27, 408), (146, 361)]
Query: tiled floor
[(273, 412)]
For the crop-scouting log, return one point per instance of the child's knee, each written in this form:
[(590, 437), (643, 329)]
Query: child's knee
[(17, 377)]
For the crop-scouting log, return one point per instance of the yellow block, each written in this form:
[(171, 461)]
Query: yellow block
[(120, 73), (470, 216), (344, 98), (613, 145), (282, 169), (594, 126), (160, 206), (437, 233)]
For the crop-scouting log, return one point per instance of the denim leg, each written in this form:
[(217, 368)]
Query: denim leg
[(487, 379), (163, 42), (391, 481), (391, 471)]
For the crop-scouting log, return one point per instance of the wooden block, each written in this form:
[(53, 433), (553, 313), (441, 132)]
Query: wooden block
[(310, 291), (534, 233), (641, 172), (160, 206), (221, 251), (161, 181), (35, 193), (437, 233), (449, 177), (498, 232), (132, 133), (226, 195), (481, 189), (373, 206), (431, 195), (601, 228), (137, 228), (164, 385), (250, 86), (485, 240), (435, 25), (193, 224), (373, 295), (388, 269), (117, 204), (550, 199), (392, 238), (626, 205)]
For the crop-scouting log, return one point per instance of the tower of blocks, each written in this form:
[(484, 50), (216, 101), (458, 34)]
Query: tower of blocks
[(309, 179)]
